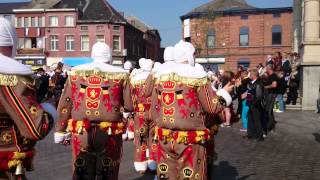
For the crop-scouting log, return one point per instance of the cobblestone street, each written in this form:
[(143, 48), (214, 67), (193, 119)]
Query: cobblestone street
[(292, 152)]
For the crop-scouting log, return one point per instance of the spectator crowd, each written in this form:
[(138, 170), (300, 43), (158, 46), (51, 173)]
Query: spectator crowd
[(260, 92), (50, 82)]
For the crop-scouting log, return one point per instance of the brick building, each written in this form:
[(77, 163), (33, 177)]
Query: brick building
[(151, 39), (52, 31), (229, 33)]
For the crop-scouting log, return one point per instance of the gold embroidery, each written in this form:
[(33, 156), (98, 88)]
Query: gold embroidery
[(137, 82), (88, 113), (8, 80), (164, 119), (105, 75), (168, 98), (64, 111), (169, 85), (107, 162), (33, 110), (184, 80), (197, 176), (92, 104), (187, 172), (215, 101), (163, 167), (95, 80), (171, 120), (7, 138)]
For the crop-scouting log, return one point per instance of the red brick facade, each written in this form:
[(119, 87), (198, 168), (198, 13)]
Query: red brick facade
[(226, 27), (47, 43)]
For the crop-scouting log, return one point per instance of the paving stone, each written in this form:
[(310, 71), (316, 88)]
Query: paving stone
[(292, 153)]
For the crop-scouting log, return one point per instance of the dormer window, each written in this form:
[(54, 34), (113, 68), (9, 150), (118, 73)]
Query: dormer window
[(116, 28)]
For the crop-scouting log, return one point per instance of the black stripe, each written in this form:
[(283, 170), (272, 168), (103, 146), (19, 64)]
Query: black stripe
[(24, 113)]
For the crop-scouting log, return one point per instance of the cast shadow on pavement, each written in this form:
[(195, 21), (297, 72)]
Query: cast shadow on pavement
[(316, 137), (147, 176), (224, 171)]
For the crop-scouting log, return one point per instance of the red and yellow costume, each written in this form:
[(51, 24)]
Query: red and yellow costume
[(90, 109), (145, 146), (183, 99)]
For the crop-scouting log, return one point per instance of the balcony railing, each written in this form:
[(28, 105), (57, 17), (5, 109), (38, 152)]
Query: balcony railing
[(31, 51)]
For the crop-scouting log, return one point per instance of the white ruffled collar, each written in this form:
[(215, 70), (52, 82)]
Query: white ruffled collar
[(13, 67), (184, 70), (139, 74), (100, 66)]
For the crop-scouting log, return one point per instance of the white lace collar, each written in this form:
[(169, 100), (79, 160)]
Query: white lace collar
[(139, 74), (184, 70), (100, 66)]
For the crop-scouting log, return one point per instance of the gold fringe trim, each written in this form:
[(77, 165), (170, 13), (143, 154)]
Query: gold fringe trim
[(105, 75), (183, 80), (14, 163), (18, 155), (137, 82), (8, 80)]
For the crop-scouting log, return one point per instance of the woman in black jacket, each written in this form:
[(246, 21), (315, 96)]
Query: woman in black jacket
[(255, 102)]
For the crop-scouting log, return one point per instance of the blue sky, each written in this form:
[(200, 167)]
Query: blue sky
[(164, 14)]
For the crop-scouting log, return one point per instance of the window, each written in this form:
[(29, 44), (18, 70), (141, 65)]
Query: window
[(69, 43), (244, 62), (211, 38), (27, 43), (19, 23), (100, 38), (99, 28), (68, 21), (20, 43), (116, 28), (85, 44), (26, 22), (54, 43), (40, 21), (40, 43), (116, 43), (244, 17), (276, 15), (33, 22), (244, 36), (276, 35), (84, 28), (53, 21)]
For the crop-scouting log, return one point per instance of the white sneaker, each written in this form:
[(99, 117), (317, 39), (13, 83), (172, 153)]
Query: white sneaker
[(141, 167), (125, 136), (130, 135)]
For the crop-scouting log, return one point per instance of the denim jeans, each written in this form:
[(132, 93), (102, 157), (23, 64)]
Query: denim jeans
[(280, 101), (244, 114)]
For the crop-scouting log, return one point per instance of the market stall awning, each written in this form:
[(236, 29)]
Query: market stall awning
[(75, 61)]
